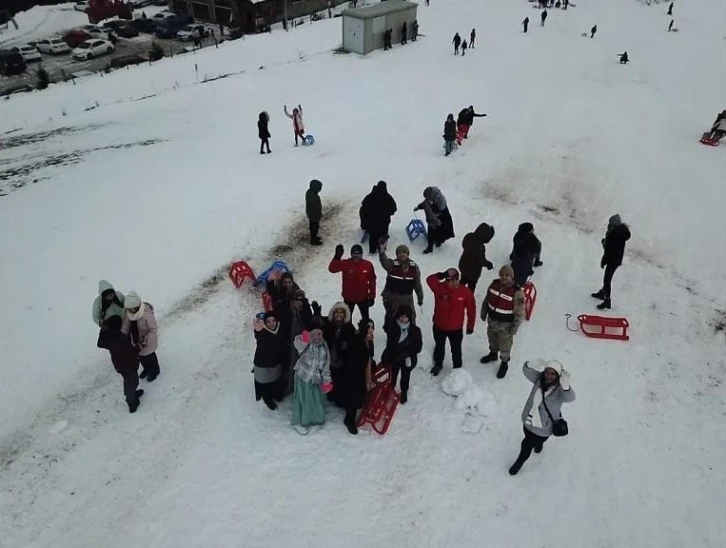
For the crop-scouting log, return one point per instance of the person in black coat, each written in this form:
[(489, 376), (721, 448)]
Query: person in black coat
[(449, 134), (457, 42), (375, 214), (525, 253), (338, 333), (403, 345), (263, 132), (525, 24), (438, 218), (270, 355), (593, 30), (387, 39), (124, 357), (281, 291), (466, 120), (354, 378), (543, 18), (404, 33), (293, 319), (613, 245)]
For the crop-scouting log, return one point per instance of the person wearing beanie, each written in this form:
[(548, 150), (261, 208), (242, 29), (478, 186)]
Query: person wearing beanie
[(312, 380), (139, 323), (403, 278), (359, 279), (474, 255), (613, 245), (438, 218), (270, 355), (543, 407), (125, 359), (503, 309), (375, 215), (339, 333), (314, 210), (404, 342), (451, 302), (108, 303), (525, 253), (354, 379)]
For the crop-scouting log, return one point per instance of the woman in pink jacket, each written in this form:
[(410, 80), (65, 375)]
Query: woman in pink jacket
[(297, 122), (140, 324)]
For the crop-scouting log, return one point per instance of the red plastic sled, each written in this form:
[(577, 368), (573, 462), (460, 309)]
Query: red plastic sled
[(382, 402), (706, 141), (601, 327), (530, 297), (239, 272)]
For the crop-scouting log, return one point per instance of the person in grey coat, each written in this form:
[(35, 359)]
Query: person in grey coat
[(551, 389)]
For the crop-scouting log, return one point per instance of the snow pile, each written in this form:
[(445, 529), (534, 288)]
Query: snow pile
[(468, 396)]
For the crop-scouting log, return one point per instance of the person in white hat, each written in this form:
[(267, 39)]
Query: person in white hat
[(139, 323), (551, 389)]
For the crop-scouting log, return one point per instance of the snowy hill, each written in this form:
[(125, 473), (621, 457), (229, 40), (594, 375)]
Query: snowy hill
[(151, 178)]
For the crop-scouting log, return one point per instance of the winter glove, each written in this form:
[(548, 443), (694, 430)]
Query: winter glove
[(603, 262), (441, 275), (326, 387), (420, 303), (565, 380), (316, 308), (339, 249), (371, 302), (469, 331), (489, 265)]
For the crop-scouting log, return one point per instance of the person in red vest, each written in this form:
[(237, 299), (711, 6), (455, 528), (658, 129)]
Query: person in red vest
[(503, 307), (451, 301), (359, 279)]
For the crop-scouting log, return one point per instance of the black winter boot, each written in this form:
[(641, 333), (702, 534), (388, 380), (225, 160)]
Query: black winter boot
[(599, 295), (404, 397), (515, 467), (350, 425), (538, 449), (436, 369), (428, 250), (144, 374), (491, 357), (605, 305), (503, 368)]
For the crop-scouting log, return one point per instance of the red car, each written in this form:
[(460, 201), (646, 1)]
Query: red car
[(76, 37)]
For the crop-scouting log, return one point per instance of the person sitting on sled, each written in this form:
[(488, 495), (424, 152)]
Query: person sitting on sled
[(718, 129), (297, 122)]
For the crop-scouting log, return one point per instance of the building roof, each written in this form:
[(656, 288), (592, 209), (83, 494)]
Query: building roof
[(376, 10)]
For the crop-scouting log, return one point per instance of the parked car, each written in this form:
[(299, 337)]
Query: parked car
[(188, 33), (29, 53), (11, 62), (143, 25), (120, 62), (82, 5), (96, 32), (75, 37), (171, 25), (158, 17), (143, 3), (52, 45), (92, 48), (122, 28), (12, 90)]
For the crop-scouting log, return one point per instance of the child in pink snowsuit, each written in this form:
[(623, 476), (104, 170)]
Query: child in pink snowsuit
[(297, 122)]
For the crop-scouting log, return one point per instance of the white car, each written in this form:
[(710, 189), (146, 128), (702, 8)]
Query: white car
[(52, 45), (81, 6), (188, 33), (92, 48), (28, 52), (96, 32)]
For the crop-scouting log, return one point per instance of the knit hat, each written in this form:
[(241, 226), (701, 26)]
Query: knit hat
[(402, 249), (615, 220), (506, 269), (356, 249), (132, 300), (526, 227), (403, 309), (554, 364)]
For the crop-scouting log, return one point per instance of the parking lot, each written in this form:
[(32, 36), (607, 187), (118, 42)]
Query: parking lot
[(63, 66)]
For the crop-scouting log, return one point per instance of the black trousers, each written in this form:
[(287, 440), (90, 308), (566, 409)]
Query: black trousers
[(530, 441), (314, 229), (374, 238), (131, 383), (471, 284), (607, 279), (150, 364), (455, 340), (350, 416), (363, 307), (405, 375), (264, 143)]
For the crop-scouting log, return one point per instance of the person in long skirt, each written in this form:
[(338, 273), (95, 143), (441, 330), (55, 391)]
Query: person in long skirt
[(355, 374), (312, 380), (270, 354)]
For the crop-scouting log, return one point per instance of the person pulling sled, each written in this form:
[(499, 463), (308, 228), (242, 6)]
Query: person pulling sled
[(718, 130)]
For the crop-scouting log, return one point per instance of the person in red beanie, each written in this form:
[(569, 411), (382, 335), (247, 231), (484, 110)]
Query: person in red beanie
[(359, 279), (451, 301)]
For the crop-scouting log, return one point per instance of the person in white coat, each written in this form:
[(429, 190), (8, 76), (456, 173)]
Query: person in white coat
[(297, 122), (551, 389)]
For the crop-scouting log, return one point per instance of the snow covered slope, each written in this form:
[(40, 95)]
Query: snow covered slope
[(151, 178)]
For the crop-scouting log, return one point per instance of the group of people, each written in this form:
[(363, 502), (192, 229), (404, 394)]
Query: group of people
[(455, 131), (263, 129), (463, 45), (129, 332), (388, 35)]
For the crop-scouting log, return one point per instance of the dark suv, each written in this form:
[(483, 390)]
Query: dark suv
[(168, 27), (11, 63)]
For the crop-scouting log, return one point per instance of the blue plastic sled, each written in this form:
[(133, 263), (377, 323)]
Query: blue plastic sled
[(308, 140), (277, 266), (415, 228)]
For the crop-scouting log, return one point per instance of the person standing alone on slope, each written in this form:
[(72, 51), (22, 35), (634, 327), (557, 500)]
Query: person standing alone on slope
[(314, 210), (263, 132), (297, 122), (613, 245)]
